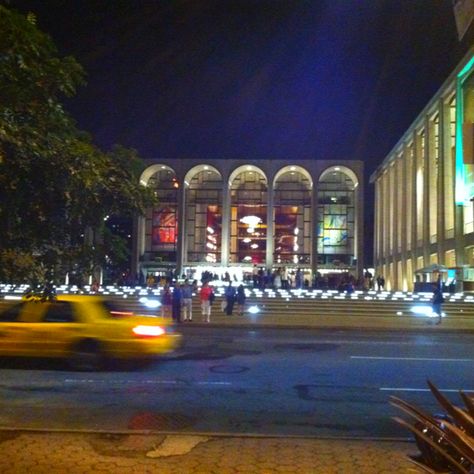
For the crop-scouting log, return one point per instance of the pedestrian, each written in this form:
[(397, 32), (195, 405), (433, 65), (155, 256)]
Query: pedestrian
[(255, 276), (284, 278), (298, 278), (166, 302), (240, 298), (229, 299), (436, 302), (205, 296), (176, 303), (95, 286), (187, 293), (277, 279)]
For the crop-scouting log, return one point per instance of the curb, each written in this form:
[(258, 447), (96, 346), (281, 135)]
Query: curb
[(254, 326), (208, 434)]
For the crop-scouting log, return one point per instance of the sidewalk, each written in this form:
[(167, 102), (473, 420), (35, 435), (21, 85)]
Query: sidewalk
[(81, 453)]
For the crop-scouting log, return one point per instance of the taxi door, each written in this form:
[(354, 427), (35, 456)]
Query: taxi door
[(56, 330), (15, 328)]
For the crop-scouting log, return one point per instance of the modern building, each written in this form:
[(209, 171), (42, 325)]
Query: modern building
[(231, 214), (424, 192)]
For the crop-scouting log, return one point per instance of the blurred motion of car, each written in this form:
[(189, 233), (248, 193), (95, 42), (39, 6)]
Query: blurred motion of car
[(86, 330)]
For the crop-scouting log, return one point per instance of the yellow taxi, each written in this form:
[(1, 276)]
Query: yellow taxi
[(87, 330)]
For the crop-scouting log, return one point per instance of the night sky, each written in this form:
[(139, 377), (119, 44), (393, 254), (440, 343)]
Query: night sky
[(340, 79)]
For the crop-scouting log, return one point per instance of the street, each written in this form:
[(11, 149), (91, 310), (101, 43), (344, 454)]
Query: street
[(231, 380)]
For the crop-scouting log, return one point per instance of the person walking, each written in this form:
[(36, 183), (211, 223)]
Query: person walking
[(166, 302), (229, 299), (205, 296), (176, 303), (240, 298), (436, 302), (187, 293)]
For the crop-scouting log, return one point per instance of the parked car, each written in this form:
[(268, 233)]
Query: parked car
[(86, 330)]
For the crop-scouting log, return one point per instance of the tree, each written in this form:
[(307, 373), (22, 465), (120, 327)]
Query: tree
[(54, 182)]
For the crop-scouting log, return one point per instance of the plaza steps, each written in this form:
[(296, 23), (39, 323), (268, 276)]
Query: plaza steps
[(318, 307), (310, 306)]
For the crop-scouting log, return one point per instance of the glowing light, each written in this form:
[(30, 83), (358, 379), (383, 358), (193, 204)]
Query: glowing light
[(247, 240), (254, 310), (251, 221), (152, 304), (422, 309), (210, 230), (461, 194), (254, 246), (148, 330)]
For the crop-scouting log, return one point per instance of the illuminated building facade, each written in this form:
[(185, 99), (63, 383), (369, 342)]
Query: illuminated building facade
[(236, 213), (424, 191)]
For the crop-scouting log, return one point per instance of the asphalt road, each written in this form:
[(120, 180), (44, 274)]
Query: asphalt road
[(266, 381)]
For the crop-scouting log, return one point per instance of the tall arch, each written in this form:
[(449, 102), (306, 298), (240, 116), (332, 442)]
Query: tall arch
[(248, 215), (203, 201), (337, 218), (292, 216), (161, 221)]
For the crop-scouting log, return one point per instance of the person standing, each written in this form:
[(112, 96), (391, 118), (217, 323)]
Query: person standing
[(277, 280), (166, 302), (255, 276), (187, 293), (205, 298), (299, 278), (284, 278), (240, 298), (229, 299), (436, 302), (176, 302)]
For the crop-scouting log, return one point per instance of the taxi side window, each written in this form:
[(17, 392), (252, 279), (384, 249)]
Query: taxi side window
[(59, 312), (11, 314)]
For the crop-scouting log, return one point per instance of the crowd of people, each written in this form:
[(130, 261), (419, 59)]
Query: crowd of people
[(177, 300)]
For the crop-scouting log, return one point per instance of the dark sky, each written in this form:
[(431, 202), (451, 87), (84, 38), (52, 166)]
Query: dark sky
[(336, 79)]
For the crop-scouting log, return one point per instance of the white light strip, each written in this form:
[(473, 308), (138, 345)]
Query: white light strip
[(411, 358), (408, 389)]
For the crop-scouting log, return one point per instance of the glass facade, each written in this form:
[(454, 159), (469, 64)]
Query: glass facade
[(203, 197), (162, 221), (248, 222), (292, 217), (225, 214), (336, 219)]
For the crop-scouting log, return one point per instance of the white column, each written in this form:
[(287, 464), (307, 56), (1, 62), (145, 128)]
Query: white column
[(181, 231), (225, 244), (270, 238)]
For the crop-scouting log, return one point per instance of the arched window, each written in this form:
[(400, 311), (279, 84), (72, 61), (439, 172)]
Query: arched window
[(336, 217), (203, 204), (292, 216), (161, 224), (248, 229)]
